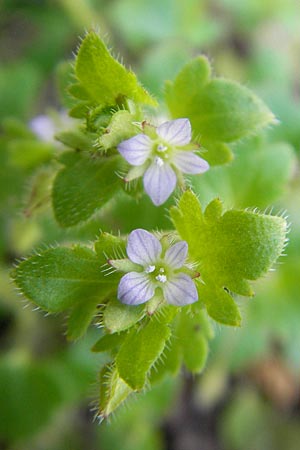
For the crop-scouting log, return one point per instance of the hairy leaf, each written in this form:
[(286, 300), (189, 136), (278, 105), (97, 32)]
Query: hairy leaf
[(113, 391), (120, 127), (229, 248), (219, 110), (77, 140), (83, 187), (108, 342), (192, 339), (118, 317), (106, 80), (81, 316), (60, 278), (140, 351)]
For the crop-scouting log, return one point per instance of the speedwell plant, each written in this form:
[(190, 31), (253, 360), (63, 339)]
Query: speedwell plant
[(154, 293)]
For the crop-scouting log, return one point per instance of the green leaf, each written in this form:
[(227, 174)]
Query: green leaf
[(109, 246), (120, 127), (108, 342), (220, 305), (266, 168), (77, 140), (83, 187), (216, 153), (170, 363), (81, 316), (219, 110), (106, 80), (80, 110), (192, 77), (15, 128), (192, 340), (140, 350), (60, 278), (118, 317), (29, 153), (78, 91), (40, 191), (229, 248), (64, 76), (113, 391)]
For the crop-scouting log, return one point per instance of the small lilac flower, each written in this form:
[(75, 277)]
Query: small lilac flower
[(43, 126), (155, 270), (161, 158)]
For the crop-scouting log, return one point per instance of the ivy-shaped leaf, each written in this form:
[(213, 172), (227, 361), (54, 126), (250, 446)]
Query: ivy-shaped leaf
[(104, 79), (83, 186), (229, 248), (220, 111)]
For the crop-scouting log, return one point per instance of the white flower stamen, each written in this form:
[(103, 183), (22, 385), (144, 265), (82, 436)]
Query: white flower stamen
[(159, 161), (161, 278), (162, 270), (150, 269)]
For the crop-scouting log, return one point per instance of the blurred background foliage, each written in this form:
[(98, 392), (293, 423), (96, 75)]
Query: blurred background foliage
[(248, 397)]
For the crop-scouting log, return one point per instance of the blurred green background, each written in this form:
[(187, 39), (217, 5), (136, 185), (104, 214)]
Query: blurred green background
[(248, 397)]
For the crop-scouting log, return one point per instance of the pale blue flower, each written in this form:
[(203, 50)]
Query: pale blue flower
[(156, 269), (44, 127), (161, 158)]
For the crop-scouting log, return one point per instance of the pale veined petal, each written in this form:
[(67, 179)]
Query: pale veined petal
[(159, 181), (135, 288), (180, 290), (136, 150), (143, 248), (188, 162), (176, 255), (175, 132)]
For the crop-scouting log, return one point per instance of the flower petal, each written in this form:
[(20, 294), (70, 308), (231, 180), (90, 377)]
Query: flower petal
[(180, 290), (175, 132), (176, 255), (143, 248), (159, 182), (136, 150), (43, 127), (188, 162), (135, 288)]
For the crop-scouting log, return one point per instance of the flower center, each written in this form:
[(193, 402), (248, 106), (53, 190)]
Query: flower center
[(157, 274), (161, 148), (161, 278), (161, 153)]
